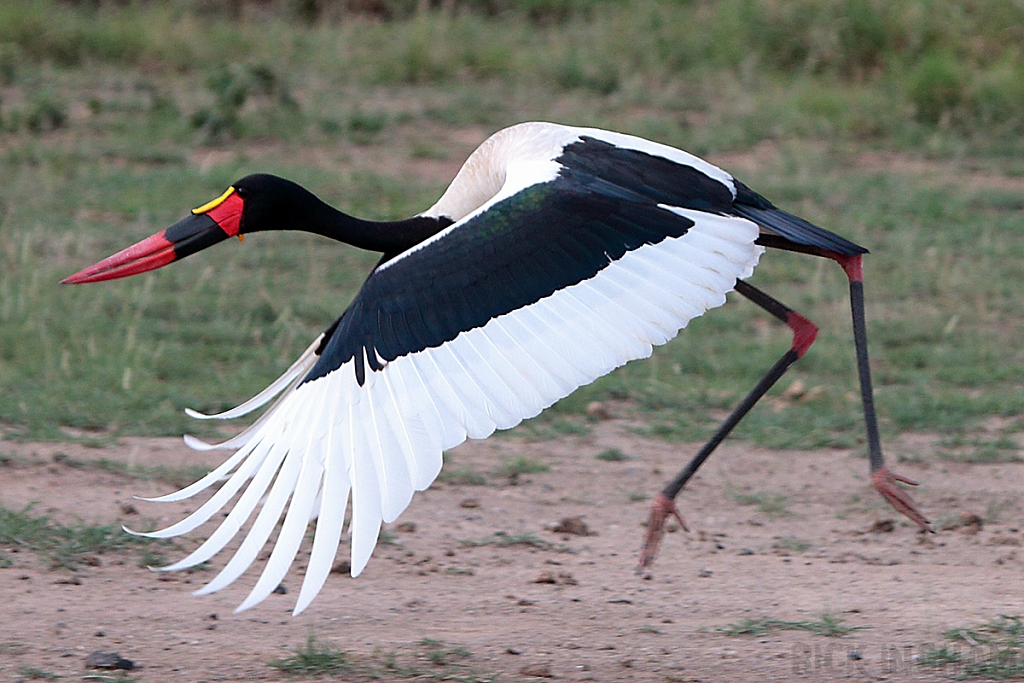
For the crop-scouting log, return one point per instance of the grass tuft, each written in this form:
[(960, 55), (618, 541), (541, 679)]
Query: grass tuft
[(505, 540), (315, 658), (612, 455), (462, 476), (439, 653), (513, 468), (828, 625), (772, 504), (432, 660), (789, 544), (66, 547), (178, 477), (995, 649)]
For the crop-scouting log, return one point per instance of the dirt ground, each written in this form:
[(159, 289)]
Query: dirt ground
[(788, 535)]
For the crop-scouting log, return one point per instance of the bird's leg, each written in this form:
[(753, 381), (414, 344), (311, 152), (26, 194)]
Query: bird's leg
[(882, 478), (804, 332)]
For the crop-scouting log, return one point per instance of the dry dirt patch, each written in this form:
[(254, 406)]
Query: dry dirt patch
[(780, 535)]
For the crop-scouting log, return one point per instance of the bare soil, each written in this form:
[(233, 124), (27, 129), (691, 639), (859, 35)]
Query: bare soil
[(789, 535)]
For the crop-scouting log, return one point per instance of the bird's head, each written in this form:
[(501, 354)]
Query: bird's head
[(256, 202)]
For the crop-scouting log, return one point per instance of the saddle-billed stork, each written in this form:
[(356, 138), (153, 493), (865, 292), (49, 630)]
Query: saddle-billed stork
[(556, 255)]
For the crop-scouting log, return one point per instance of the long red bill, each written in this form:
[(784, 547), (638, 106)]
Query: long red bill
[(188, 236), (152, 252)]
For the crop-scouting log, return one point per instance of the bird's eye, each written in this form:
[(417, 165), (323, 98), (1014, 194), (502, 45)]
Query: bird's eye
[(242, 192)]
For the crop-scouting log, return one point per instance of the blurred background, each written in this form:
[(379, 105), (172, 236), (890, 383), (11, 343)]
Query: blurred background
[(897, 124)]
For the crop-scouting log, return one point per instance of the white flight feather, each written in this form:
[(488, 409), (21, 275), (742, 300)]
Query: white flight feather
[(299, 368), (367, 512), (332, 509)]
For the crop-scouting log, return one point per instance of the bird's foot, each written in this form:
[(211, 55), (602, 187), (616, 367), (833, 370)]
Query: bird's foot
[(662, 507), (884, 481)]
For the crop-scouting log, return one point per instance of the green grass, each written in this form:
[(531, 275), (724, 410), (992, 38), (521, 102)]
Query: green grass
[(790, 544), (962, 449), (992, 650), (940, 656), (385, 537), (68, 546), (828, 625), (116, 119), (506, 540), (429, 660), (462, 476), (513, 468), (612, 455), (313, 659), (438, 653), (771, 504), (174, 476), (32, 673)]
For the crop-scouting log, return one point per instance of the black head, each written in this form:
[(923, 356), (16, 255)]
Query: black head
[(273, 203), (254, 203)]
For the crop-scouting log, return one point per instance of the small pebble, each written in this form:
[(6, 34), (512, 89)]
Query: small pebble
[(573, 525), (882, 526), (537, 671), (795, 391), (545, 577), (108, 660), (597, 411)]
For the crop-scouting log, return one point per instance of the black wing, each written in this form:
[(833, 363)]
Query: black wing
[(680, 185), (606, 201), (542, 239)]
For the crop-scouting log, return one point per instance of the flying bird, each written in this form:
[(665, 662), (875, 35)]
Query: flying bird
[(556, 255)]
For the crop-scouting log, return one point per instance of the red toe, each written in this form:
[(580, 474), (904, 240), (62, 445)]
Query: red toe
[(885, 482)]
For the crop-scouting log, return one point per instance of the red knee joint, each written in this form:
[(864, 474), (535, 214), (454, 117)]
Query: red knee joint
[(852, 264), (804, 332)]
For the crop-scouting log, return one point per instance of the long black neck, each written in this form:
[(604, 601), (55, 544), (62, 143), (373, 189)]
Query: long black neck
[(387, 237), (284, 205)]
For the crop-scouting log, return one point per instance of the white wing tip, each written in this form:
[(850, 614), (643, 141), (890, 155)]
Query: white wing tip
[(158, 499), (302, 604), (197, 444), (248, 603)]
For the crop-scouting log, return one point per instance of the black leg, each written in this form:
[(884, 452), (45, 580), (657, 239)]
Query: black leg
[(804, 333), (882, 478)]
